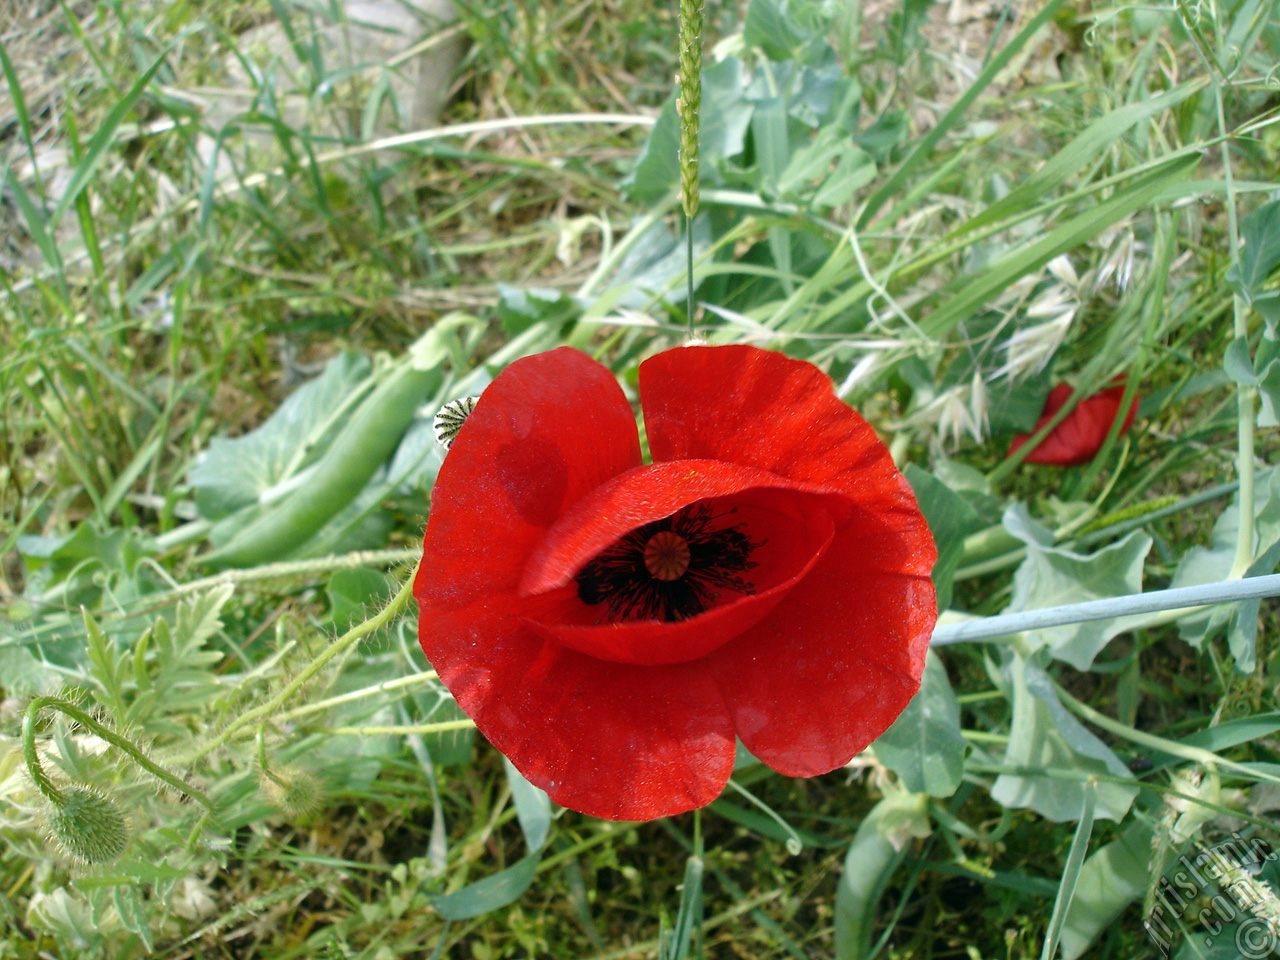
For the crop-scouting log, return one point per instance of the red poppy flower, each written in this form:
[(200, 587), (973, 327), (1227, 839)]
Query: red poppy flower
[(1078, 438), (610, 625)]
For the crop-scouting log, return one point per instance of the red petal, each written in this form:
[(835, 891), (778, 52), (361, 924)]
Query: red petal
[(549, 429), (1079, 437), (635, 498), (812, 685), (611, 741), (792, 529), (762, 409)]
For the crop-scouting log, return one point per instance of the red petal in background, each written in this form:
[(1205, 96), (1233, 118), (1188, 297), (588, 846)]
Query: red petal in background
[(1079, 437)]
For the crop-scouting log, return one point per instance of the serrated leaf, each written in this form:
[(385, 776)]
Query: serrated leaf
[(520, 308), (106, 666), (134, 913), (198, 620), (924, 747), (1052, 576), (1060, 754)]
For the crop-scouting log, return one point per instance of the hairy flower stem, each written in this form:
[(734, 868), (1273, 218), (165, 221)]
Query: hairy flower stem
[(689, 106), (388, 614), (56, 796)]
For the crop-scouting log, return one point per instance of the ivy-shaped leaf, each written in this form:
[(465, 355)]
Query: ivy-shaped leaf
[(1052, 576), (1212, 563), (1045, 737)]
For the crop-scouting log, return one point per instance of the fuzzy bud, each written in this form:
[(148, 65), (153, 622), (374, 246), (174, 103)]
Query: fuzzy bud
[(294, 791), (88, 826)]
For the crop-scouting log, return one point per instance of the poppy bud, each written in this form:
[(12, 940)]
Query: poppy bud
[(294, 791), (87, 825)]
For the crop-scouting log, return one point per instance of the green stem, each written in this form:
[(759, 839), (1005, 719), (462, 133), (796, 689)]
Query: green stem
[(1244, 393), (55, 796), (412, 680), (356, 633)]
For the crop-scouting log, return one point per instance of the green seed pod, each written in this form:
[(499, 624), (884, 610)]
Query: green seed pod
[(88, 826)]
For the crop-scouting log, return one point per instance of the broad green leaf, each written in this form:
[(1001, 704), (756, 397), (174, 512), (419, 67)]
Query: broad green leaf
[(1053, 576), (520, 308), (950, 520), (924, 747), (1213, 563), (354, 594), (768, 27), (491, 893), (873, 856), (231, 474), (1260, 255), (726, 114), (1059, 754), (1238, 364), (1268, 366)]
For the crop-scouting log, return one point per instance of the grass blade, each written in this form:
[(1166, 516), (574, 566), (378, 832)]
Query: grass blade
[(1070, 873), (97, 149), (920, 153)]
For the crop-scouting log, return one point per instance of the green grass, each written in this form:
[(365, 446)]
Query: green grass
[(147, 309)]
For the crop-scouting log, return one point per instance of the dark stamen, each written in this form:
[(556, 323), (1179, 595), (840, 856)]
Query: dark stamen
[(670, 569)]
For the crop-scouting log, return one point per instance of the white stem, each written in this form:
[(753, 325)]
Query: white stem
[(1198, 596)]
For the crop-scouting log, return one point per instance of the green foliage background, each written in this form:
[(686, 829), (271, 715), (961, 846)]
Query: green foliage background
[(216, 452)]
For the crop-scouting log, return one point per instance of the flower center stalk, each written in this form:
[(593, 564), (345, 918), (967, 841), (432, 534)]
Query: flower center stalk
[(670, 569)]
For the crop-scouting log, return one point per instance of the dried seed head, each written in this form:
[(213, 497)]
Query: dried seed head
[(88, 826)]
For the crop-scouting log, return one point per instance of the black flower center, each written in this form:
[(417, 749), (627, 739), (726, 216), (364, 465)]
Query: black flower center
[(670, 569)]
